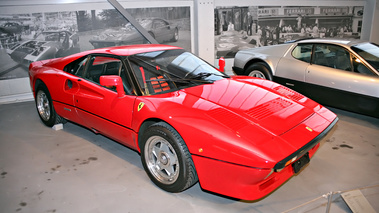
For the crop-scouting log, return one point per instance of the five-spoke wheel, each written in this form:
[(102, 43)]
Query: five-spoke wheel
[(45, 107), (166, 159)]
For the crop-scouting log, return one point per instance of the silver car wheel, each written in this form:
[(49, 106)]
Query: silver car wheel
[(161, 160), (257, 74), (43, 105)]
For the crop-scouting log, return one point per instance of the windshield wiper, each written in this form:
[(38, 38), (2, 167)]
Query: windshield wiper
[(206, 74), (183, 80)]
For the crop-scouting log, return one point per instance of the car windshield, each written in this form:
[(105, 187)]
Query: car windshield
[(170, 70), (370, 52), (143, 22), (50, 36)]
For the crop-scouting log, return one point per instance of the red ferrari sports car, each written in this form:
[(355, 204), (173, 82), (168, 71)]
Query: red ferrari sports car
[(238, 136)]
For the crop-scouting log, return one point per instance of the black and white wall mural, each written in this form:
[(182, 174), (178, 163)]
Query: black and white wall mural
[(238, 28), (29, 37)]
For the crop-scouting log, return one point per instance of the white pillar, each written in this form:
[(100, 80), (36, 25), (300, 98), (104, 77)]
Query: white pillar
[(204, 30)]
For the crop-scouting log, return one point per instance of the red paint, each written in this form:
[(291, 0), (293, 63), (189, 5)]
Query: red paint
[(243, 126)]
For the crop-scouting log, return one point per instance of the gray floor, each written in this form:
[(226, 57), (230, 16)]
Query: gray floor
[(74, 170)]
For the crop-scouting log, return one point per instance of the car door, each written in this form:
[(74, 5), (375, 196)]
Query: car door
[(292, 66), (100, 107), (334, 80)]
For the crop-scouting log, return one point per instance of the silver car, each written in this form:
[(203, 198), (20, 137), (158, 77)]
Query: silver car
[(338, 73)]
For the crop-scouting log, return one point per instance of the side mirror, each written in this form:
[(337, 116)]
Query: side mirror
[(113, 80), (221, 64)]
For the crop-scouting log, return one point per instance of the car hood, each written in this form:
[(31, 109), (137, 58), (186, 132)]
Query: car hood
[(253, 122), (271, 106), (241, 120)]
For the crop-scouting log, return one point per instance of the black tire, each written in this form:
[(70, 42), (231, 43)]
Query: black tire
[(166, 159), (259, 70), (45, 107)]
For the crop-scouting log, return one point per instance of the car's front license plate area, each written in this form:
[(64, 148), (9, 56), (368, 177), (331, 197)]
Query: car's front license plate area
[(304, 160)]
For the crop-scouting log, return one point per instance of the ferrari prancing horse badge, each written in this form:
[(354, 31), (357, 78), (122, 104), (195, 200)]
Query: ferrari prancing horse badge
[(140, 105)]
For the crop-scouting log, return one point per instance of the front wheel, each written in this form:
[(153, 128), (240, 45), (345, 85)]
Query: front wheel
[(259, 70), (166, 159), (45, 107)]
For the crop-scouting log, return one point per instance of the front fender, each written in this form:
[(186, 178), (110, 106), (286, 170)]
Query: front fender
[(205, 129)]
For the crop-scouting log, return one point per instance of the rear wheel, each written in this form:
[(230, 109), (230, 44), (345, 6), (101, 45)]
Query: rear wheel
[(166, 159), (45, 107), (175, 37), (259, 70)]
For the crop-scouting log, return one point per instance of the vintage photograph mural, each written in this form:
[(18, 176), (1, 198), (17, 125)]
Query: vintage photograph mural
[(26, 38), (238, 28)]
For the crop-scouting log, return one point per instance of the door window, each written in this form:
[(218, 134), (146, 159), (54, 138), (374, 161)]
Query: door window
[(159, 24), (151, 78), (91, 68), (303, 52), (77, 67), (332, 56), (100, 65), (359, 67)]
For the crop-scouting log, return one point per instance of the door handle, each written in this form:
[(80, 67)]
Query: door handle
[(69, 84)]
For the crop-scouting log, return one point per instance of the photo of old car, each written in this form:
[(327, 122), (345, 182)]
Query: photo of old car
[(158, 28), (45, 45), (237, 136), (10, 32), (338, 73)]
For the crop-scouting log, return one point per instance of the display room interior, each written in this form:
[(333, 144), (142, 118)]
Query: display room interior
[(189, 105)]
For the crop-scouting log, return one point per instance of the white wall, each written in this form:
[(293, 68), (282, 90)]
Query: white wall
[(373, 7)]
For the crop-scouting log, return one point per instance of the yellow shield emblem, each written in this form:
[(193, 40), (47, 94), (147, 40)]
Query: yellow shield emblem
[(140, 105)]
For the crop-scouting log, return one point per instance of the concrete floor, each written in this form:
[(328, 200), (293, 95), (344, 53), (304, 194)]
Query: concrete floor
[(75, 170)]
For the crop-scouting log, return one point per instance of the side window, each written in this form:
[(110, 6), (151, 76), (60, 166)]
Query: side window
[(159, 24), (150, 77), (303, 52), (100, 66), (332, 56), (77, 67), (359, 67)]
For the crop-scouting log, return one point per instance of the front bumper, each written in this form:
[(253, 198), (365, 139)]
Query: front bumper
[(241, 182), (250, 183), (296, 155)]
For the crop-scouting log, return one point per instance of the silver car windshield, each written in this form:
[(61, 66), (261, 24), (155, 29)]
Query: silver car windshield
[(370, 52)]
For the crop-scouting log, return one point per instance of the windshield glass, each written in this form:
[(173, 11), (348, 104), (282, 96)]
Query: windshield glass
[(370, 52), (51, 36), (171, 70)]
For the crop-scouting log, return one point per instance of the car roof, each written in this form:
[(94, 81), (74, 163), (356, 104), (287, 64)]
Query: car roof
[(342, 42), (116, 50), (130, 49)]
